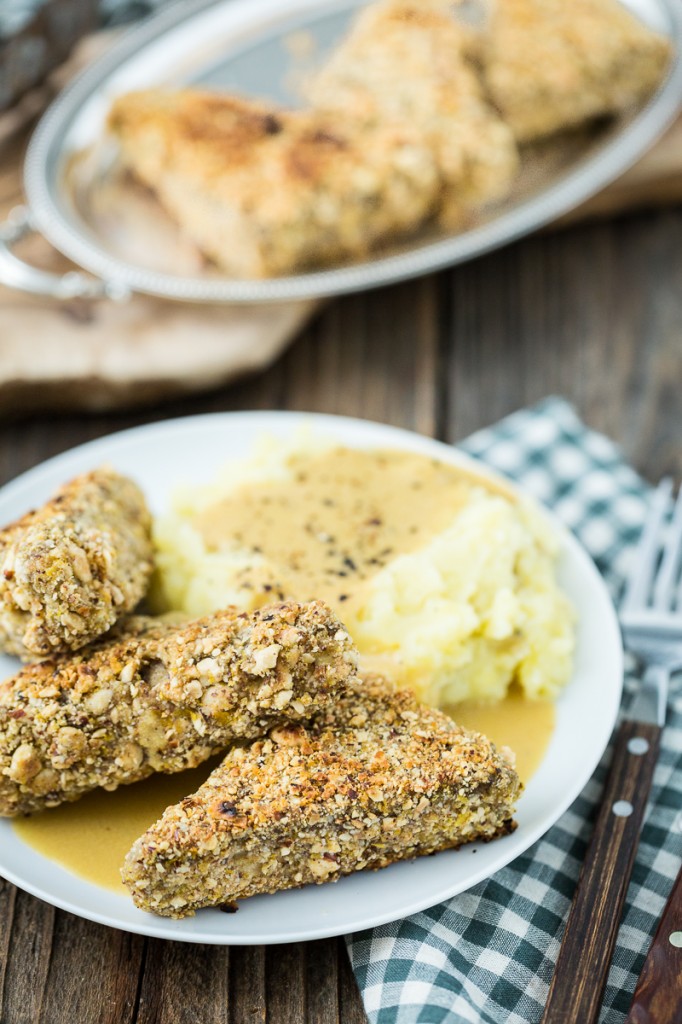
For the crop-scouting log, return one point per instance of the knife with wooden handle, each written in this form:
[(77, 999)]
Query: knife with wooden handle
[(658, 995), (652, 631), (582, 966)]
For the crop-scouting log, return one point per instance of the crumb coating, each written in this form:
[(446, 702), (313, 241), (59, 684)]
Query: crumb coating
[(265, 191), (163, 698), (551, 65), (407, 62), (374, 778), (70, 569)]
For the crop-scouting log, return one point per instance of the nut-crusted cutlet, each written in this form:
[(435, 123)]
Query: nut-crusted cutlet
[(70, 569), (164, 699), (263, 191), (551, 65), (375, 778), (406, 61)]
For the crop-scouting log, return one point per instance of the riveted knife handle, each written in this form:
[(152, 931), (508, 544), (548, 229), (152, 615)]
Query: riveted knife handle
[(582, 967), (658, 996)]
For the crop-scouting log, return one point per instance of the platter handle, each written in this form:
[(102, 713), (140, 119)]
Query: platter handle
[(15, 273)]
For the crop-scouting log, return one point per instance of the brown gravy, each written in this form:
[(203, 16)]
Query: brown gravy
[(335, 521)]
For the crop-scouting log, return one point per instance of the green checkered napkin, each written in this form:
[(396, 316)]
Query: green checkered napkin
[(487, 955)]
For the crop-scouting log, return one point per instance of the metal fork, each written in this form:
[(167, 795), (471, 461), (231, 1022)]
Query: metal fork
[(652, 630)]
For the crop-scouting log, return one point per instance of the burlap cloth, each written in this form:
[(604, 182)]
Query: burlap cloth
[(104, 355)]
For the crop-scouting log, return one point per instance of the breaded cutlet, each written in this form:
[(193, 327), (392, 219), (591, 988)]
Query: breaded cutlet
[(374, 778), (164, 698), (551, 65), (407, 62), (263, 191), (73, 567)]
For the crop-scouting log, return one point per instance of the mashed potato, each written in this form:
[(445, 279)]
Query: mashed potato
[(446, 584)]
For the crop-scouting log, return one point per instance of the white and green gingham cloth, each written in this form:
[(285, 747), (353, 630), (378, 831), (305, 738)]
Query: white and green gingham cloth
[(487, 956)]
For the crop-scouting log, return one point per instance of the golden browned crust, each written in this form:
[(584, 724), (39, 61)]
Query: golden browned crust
[(163, 698), (70, 569), (375, 778), (264, 191), (405, 61), (550, 65)]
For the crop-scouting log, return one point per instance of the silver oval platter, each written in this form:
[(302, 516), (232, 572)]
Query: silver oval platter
[(261, 48)]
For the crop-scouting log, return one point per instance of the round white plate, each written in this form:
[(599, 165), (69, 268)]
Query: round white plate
[(163, 455)]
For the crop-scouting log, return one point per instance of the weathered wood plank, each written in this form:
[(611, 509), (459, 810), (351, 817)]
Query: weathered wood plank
[(92, 974), (285, 982), (8, 896), (28, 961), (351, 1010), (183, 984), (322, 982), (247, 1002), (371, 355), (593, 313)]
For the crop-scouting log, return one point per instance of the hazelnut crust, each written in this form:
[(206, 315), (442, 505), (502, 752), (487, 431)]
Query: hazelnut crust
[(399, 132), (263, 191), (70, 569), (550, 65), (163, 698), (408, 62), (374, 778)]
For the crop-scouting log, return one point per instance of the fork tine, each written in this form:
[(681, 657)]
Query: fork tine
[(664, 584), (642, 572)]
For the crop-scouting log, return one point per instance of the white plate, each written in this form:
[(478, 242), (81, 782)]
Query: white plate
[(162, 455)]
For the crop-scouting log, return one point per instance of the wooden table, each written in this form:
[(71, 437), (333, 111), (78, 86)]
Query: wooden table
[(594, 313)]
